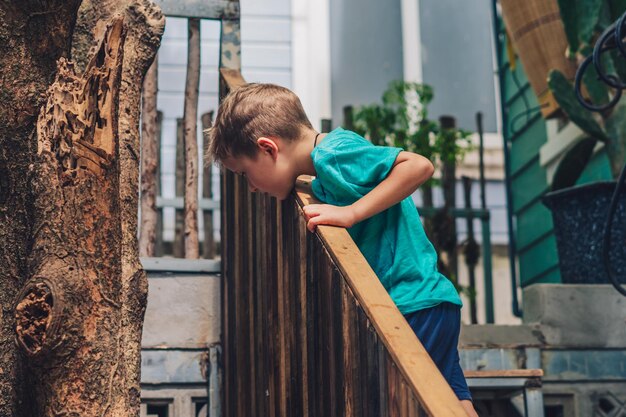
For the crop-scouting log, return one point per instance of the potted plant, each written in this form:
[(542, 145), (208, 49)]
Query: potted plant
[(580, 211)]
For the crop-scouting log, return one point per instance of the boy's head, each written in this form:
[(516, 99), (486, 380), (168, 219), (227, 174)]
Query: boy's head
[(253, 111)]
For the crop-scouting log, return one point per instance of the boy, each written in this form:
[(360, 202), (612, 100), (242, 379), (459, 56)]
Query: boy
[(262, 132)]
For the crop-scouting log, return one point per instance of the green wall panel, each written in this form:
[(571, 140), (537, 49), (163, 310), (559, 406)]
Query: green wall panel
[(538, 261), (533, 223), (537, 254), (526, 146), (522, 81), (528, 186)]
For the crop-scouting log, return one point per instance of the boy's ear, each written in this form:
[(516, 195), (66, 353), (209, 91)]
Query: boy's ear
[(268, 146)]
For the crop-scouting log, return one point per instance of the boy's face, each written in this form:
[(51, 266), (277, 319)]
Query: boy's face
[(263, 173)]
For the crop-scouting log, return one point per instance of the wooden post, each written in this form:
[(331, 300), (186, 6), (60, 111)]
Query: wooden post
[(149, 162), (472, 250), (348, 117), (448, 183), (179, 177), (208, 246), (158, 241), (191, 140)]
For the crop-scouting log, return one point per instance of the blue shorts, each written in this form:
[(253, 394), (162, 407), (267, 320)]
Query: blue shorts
[(438, 329)]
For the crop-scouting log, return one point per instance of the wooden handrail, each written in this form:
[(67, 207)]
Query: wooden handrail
[(308, 329), (409, 354)]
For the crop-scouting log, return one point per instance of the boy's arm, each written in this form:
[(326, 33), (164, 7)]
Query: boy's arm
[(409, 171)]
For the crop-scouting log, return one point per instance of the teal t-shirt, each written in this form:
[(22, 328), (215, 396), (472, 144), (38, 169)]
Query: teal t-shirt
[(393, 242)]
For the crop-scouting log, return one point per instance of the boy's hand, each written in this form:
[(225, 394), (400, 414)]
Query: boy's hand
[(329, 215)]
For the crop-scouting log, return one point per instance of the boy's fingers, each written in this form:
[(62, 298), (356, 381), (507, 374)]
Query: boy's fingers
[(311, 211)]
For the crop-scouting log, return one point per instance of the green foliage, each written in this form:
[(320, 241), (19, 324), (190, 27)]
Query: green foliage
[(584, 21), (564, 94), (401, 120)]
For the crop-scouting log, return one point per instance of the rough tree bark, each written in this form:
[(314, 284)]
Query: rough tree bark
[(33, 35), (66, 206), (145, 28), (68, 313)]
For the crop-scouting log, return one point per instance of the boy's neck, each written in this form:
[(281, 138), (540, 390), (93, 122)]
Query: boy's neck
[(300, 152)]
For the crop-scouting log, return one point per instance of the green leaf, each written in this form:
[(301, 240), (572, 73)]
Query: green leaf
[(589, 12), (573, 164), (617, 7), (580, 18), (569, 16), (564, 94)]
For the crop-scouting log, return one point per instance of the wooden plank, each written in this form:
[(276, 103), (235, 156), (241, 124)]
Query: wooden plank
[(336, 346), (230, 46), (208, 245), (190, 129), (370, 363), (505, 373), (260, 326), (179, 203), (232, 77), (249, 296), (349, 360), (304, 319), (407, 352), (210, 266), (283, 318), (393, 394), (158, 250), (179, 175), (203, 9), (383, 359)]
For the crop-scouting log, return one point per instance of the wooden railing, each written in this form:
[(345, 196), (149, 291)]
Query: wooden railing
[(308, 329)]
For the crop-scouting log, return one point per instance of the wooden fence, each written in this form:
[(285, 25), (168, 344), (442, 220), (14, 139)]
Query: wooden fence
[(208, 206), (308, 329)]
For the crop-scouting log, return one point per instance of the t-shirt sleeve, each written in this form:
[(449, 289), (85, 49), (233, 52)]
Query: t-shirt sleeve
[(353, 168)]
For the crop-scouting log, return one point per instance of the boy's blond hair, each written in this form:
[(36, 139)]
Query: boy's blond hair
[(250, 112)]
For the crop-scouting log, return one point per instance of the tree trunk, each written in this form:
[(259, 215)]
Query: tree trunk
[(33, 35), (145, 28), (191, 140), (68, 206), (68, 314)]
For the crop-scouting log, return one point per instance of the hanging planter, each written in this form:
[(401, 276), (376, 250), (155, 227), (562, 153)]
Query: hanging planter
[(579, 215), (538, 37)]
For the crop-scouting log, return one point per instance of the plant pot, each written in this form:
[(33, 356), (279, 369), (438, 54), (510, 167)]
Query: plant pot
[(579, 214)]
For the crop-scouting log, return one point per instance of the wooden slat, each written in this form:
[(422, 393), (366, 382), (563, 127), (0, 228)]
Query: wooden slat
[(208, 246), (232, 77), (179, 178), (506, 373), (202, 9), (408, 353)]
